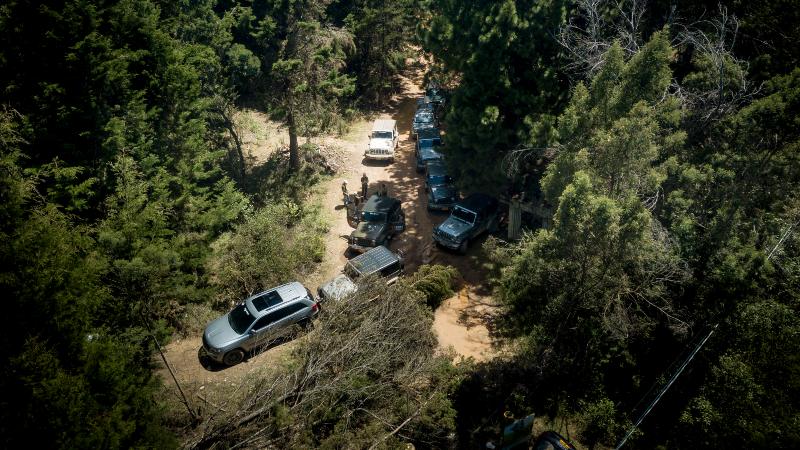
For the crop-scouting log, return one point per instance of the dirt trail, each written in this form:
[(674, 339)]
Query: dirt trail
[(460, 322)]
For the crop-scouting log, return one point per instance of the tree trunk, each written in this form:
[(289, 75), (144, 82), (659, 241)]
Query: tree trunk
[(294, 150)]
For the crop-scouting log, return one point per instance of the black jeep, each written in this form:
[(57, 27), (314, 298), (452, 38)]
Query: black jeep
[(379, 220), (469, 219), (442, 193)]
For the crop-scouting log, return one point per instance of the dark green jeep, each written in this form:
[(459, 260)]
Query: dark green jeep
[(379, 220)]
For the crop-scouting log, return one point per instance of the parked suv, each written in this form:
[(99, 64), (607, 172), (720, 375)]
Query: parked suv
[(470, 218), (379, 260), (258, 321), (423, 119), (425, 149), (442, 193), (382, 140), (380, 219)]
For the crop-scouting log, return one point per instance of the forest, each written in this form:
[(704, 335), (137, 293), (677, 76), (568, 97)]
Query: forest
[(664, 136)]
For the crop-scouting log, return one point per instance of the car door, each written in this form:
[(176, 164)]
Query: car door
[(268, 328)]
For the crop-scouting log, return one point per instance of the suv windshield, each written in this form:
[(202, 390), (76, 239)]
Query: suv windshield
[(423, 117), (464, 215), (439, 179), (382, 134), (240, 319), (372, 216)]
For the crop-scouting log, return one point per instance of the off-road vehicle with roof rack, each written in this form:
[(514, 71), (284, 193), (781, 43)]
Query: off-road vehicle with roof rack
[(469, 218), (379, 260), (380, 219), (382, 140)]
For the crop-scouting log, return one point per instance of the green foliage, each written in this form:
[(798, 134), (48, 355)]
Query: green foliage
[(509, 78), (368, 367), (69, 381), (382, 32), (600, 423), (273, 245), (434, 282)]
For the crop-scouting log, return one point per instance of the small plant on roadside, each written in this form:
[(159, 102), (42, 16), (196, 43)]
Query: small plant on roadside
[(435, 282)]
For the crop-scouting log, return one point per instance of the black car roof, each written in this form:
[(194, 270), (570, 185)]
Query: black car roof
[(429, 133), (436, 167), (379, 203), (373, 260), (479, 203)]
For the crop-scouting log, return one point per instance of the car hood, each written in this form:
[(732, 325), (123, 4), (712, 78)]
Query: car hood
[(382, 144), (454, 227), (428, 153), (442, 192), (368, 230), (338, 288), (219, 333)]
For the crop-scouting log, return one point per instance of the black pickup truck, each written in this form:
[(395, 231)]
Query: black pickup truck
[(469, 218)]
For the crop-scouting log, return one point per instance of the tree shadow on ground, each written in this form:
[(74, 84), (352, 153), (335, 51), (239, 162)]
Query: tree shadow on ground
[(274, 178)]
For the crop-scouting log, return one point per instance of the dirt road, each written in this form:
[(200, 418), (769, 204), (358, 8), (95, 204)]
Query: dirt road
[(460, 322)]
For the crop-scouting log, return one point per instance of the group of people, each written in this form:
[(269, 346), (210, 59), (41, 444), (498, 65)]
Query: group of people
[(348, 199)]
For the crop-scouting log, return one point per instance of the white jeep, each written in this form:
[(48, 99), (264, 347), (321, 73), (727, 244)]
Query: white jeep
[(383, 140)]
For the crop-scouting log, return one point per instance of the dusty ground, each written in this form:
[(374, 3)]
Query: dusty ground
[(459, 323)]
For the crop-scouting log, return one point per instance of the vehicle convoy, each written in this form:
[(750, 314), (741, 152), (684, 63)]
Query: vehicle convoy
[(442, 192), (383, 140), (380, 219), (425, 149), (258, 321), (469, 218), (379, 260)]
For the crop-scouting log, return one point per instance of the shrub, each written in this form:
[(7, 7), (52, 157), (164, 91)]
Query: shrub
[(435, 282)]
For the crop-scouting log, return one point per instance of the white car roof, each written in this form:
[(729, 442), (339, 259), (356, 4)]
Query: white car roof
[(384, 125)]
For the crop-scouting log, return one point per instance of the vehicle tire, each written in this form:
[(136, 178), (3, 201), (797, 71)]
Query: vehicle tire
[(233, 357), (463, 247)]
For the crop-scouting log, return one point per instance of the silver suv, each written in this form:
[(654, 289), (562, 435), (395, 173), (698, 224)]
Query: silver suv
[(258, 321)]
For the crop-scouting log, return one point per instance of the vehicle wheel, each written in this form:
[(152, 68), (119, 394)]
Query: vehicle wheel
[(463, 247), (233, 357)]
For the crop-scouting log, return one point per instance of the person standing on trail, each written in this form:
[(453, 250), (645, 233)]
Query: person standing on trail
[(344, 193), (383, 192), (364, 185)]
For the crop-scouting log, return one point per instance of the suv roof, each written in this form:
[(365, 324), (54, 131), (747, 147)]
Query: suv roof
[(270, 298), (436, 167), (429, 133), (380, 203), (373, 260), (479, 203), (383, 125)]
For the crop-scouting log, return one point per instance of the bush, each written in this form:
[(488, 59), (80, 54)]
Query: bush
[(434, 282), (275, 244)]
